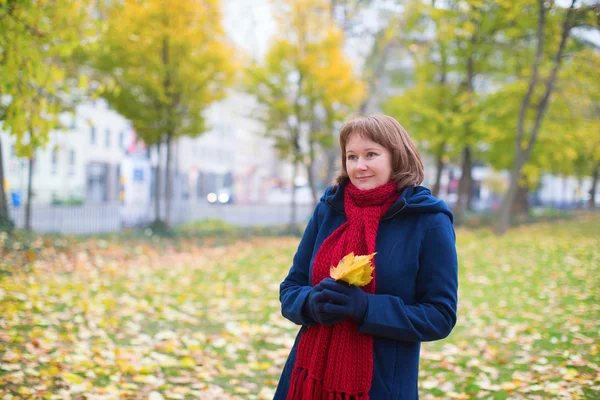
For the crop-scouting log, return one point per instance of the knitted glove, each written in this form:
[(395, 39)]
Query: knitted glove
[(314, 308), (343, 299)]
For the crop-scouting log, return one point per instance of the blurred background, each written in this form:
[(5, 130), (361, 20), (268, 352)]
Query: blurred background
[(156, 158), (119, 114)]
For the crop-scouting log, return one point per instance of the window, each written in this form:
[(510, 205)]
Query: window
[(107, 139), (13, 151), (54, 161), (122, 140), (71, 162), (93, 135)]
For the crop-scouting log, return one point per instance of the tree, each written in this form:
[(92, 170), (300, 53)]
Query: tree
[(170, 61), (37, 78), (350, 17), (428, 108), (452, 51), (428, 112), (575, 116), (536, 99), (305, 86)]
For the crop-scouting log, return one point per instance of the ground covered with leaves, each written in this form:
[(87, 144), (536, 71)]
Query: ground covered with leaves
[(99, 319)]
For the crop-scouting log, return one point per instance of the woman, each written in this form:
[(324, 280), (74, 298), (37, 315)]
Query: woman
[(364, 342)]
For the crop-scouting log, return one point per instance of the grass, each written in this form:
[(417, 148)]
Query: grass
[(134, 319)]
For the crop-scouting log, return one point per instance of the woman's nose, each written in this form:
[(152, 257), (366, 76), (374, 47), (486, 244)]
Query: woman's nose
[(361, 164)]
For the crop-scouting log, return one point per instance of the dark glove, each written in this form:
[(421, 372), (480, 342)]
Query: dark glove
[(343, 299), (314, 308)]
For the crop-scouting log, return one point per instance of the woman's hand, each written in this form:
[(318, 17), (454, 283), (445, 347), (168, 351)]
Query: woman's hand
[(314, 307), (342, 299)]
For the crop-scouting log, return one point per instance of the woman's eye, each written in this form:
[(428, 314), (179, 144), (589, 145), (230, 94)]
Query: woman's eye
[(371, 154), (351, 157)]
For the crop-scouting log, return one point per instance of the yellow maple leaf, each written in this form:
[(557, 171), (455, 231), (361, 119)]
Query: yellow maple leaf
[(354, 270)]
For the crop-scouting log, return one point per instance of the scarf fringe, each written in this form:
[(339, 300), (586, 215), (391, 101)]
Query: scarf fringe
[(305, 387)]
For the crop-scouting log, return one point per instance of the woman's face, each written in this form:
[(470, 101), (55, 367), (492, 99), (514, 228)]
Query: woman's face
[(368, 163)]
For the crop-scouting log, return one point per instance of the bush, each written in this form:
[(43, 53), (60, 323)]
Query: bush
[(70, 201), (158, 227), (207, 227), (7, 225)]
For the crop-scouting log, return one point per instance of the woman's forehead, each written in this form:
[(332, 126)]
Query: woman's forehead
[(360, 140)]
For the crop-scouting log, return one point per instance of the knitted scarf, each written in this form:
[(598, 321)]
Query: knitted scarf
[(336, 361)]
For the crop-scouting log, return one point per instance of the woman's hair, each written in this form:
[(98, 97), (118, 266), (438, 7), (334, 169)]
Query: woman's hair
[(407, 166)]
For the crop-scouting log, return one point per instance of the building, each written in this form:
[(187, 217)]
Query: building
[(83, 163), (232, 155), (78, 165)]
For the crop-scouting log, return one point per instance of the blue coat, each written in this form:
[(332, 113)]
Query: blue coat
[(416, 287)]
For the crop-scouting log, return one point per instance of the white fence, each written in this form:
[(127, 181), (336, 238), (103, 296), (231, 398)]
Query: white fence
[(104, 218)]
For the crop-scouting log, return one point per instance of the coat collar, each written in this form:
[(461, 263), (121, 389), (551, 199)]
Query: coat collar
[(336, 200)]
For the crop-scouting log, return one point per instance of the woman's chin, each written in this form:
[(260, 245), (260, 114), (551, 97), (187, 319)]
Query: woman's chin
[(364, 185)]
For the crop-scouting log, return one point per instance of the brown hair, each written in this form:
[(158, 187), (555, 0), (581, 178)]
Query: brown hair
[(407, 165)]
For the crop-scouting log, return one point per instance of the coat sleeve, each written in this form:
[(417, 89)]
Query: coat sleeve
[(294, 290), (433, 315)]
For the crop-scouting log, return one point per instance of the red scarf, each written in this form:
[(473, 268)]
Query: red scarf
[(336, 361)]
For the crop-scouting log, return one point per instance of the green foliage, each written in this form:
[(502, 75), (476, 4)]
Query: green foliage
[(69, 201), (7, 226), (38, 79), (471, 76), (159, 228), (207, 226), (442, 107), (572, 116)]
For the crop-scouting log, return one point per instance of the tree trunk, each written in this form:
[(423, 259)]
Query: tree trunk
[(464, 186), (29, 194), (595, 173), (509, 199), (311, 178), (332, 156), (310, 167), (578, 192), (332, 6), (293, 226), (442, 101), (168, 181), (379, 53), (466, 179), (4, 215), (522, 200), (564, 191), (439, 169), (470, 197), (169, 109), (523, 154), (157, 183)]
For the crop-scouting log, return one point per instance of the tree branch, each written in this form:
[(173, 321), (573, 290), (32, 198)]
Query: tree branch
[(550, 82), (533, 80)]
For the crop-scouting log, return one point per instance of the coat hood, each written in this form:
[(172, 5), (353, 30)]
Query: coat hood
[(413, 199)]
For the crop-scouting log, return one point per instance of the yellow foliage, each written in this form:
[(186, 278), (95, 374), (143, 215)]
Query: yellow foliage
[(170, 60), (354, 270), (304, 70)]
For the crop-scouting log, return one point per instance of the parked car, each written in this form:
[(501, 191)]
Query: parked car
[(222, 196)]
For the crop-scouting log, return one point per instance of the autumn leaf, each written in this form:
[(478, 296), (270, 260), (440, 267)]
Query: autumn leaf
[(114, 318), (354, 270)]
